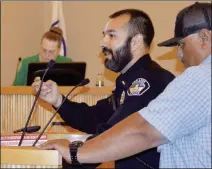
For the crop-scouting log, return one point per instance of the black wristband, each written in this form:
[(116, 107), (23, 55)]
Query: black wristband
[(73, 147)]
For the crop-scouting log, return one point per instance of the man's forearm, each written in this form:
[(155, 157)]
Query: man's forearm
[(127, 138)]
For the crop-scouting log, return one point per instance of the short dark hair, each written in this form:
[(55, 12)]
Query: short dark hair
[(139, 23)]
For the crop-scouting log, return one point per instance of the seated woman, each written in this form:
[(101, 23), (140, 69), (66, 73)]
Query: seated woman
[(49, 49)]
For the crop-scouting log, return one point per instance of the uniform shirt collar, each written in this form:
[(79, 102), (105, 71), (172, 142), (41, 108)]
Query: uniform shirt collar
[(142, 62), (123, 81)]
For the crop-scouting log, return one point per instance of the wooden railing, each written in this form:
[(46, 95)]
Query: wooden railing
[(16, 103)]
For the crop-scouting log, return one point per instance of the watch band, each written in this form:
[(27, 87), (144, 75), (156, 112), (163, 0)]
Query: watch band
[(73, 147)]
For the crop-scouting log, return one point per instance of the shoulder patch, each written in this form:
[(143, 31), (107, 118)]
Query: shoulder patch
[(138, 87)]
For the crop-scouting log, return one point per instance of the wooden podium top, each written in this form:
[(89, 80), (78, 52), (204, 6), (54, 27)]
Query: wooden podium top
[(63, 90), (30, 156)]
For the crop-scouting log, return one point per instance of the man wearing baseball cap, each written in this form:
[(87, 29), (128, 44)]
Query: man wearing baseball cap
[(178, 121), (193, 21)]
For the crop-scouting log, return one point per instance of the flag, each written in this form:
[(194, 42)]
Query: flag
[(58, 20)]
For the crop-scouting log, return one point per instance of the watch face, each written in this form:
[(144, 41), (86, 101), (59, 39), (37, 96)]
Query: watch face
[(77, 143)]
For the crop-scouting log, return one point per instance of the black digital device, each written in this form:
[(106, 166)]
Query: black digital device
[(64, 74)]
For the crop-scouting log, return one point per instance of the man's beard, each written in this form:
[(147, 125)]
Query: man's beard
[(120, 58)]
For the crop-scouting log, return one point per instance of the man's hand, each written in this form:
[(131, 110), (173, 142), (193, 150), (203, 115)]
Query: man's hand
[(62, 145), (49, 91)]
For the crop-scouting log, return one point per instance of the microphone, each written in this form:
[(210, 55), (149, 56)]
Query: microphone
[(50, 65), (30, 129), (82, 83), (19, 60), (17, 66)]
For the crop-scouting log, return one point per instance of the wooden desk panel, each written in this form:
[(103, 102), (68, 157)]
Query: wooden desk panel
[(16, 103)]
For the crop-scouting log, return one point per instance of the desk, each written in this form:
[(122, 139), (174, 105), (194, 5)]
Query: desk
[(29, 157), (16, 103)]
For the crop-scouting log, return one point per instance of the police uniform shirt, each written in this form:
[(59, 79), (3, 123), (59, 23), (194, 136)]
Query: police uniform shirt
[(143, 82)]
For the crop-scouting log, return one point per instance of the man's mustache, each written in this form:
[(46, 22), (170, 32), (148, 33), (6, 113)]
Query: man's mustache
[(106, 51)]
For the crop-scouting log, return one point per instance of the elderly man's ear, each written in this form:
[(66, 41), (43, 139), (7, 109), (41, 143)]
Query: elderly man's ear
[(205, 37)]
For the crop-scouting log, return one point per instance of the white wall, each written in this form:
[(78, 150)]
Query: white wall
[(23, 24)]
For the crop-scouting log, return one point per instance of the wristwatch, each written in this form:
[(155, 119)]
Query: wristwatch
[(73, 147)]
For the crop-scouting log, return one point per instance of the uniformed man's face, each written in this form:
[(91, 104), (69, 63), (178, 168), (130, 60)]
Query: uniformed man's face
[(116, 45)]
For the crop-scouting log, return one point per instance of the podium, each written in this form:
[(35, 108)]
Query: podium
[(16, 102), (29, 157)]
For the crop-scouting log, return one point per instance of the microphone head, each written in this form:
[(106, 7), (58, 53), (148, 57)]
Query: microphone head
[(84, 82), (51, 64), (28, 129)]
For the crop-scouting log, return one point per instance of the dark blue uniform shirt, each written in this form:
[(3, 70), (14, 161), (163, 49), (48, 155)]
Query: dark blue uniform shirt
[(143, 82)]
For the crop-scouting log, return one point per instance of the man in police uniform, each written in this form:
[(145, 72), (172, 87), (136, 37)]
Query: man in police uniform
[(126, 41)]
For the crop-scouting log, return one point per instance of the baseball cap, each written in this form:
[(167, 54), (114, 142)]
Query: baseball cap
[(190, 20)]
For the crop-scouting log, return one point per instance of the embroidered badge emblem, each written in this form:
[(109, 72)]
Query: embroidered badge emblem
[(138, 87)]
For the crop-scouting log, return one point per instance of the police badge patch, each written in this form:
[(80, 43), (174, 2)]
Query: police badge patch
[(138, 87)]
